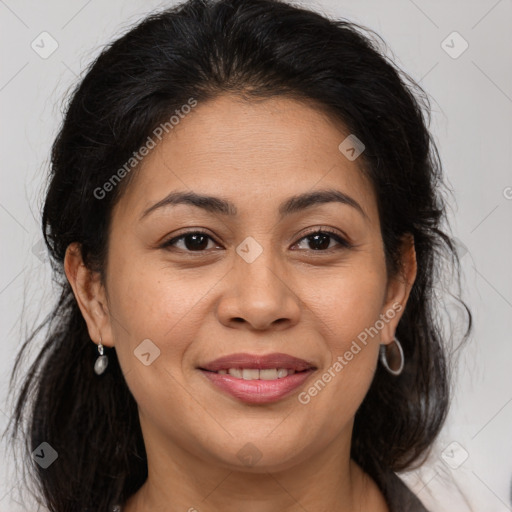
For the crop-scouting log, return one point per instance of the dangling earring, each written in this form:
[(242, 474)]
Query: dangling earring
[(102, 362), (392, 357)]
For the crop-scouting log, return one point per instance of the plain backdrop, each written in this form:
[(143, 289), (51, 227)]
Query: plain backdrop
[(467, 74)]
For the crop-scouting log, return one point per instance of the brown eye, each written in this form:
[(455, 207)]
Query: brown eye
[(321, 240), (192, 242)]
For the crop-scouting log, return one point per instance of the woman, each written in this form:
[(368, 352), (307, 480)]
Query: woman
[(244, 212)]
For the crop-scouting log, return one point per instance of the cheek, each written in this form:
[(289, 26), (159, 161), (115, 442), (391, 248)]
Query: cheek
[(347, 321), (168, 307), (347, 303), (151, 301), (347, 309), (157, 314)]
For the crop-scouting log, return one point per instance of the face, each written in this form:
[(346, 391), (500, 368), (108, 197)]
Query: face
[(251, 272)]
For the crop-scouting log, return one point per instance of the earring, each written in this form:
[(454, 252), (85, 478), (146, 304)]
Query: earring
[(392, 357), (101, 362)]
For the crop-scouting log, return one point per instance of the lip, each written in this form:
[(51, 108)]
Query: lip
[(258, 391), (258, 362)]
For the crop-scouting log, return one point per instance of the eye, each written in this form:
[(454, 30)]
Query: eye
[(320, 240), (197, 241), (194, 241)]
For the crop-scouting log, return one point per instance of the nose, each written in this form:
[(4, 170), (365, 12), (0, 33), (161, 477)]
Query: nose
[(259, 296)]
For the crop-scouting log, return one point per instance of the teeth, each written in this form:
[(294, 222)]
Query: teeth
[(251, 374), (254, 374), (269, 374), (235, 372)]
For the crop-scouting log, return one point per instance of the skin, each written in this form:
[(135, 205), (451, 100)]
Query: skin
[(197, 306)]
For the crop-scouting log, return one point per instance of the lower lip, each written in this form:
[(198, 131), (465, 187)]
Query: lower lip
[(258, 391)]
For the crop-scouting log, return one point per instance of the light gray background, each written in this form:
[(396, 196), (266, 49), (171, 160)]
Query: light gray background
[(472, 111)]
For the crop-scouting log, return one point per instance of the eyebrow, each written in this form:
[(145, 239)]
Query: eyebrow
[(222, 206)]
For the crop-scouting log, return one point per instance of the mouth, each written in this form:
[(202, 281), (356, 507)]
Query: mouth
[(275, 361), (258, 379), (255, 374)]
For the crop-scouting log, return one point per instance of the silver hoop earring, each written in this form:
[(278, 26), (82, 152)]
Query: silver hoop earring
[(101, 362), (392, 357)]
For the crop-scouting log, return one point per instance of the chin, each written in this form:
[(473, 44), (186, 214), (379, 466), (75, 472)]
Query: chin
[(262, 454)]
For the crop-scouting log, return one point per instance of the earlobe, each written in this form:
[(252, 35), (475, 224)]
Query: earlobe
[(89, 294)]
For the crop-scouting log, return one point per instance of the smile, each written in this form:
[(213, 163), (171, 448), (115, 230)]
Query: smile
[(254, 386), (255, 374)]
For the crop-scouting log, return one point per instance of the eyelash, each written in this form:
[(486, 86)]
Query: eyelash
[(325, 231)]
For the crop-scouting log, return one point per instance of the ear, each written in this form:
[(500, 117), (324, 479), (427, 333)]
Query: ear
[(399, 288), (90, 295)]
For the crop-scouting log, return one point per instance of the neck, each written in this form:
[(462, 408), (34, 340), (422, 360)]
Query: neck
[(179, 480)]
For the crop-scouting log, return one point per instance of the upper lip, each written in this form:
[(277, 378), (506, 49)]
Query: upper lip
[(259, 362)]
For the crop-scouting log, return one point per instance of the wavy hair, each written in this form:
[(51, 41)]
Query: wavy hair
[(255, 49)]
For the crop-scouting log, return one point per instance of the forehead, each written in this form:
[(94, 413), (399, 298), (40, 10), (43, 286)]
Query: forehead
[(254, 152)]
